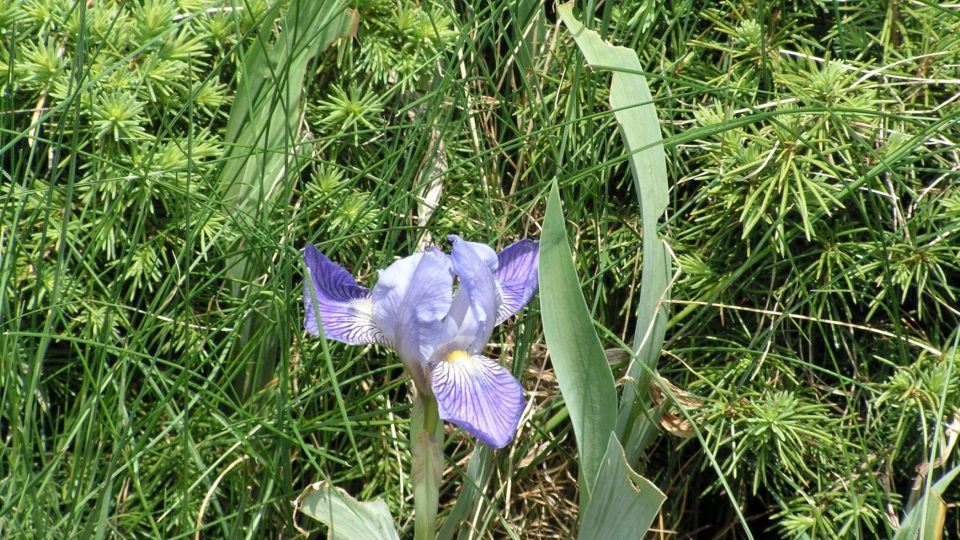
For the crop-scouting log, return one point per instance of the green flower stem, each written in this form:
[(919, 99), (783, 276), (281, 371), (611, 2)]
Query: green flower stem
[(427, 466)]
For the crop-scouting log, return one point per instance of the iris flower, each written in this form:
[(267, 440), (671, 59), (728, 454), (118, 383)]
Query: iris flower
[(438, 333)]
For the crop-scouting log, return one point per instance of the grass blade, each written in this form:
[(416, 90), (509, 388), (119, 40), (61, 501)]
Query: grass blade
[(475, 478)]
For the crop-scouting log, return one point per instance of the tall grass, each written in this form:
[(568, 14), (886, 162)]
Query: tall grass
[(813, 213)]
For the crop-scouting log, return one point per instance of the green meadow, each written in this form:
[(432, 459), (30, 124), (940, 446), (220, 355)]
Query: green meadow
[(163, 164)]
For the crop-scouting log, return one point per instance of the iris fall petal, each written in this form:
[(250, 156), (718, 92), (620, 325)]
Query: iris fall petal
[(345, 308), (479, 395)]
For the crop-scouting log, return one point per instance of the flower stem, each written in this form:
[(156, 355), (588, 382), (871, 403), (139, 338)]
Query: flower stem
[(427, 465)]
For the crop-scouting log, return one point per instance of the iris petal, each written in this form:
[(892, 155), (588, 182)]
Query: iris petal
[(479, 395), (484, 253), (344, 306), (516, 276), (476, 303), (409, 302)]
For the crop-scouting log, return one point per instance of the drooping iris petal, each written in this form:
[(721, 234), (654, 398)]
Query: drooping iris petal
[(477, 293), (410, 300), (516, 276), (345, 307), (479, 395)]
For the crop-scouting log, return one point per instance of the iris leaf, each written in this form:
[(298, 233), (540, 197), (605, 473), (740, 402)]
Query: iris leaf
[(346, 517), (583, 373), (925, 520), (624, 503), (263, 158), (633, 109)]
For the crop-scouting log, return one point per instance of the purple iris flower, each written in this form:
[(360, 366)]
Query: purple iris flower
[(438, 333)]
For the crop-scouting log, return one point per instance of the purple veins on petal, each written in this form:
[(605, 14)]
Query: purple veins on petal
[(479, 395), (345, 307), (517, 276)]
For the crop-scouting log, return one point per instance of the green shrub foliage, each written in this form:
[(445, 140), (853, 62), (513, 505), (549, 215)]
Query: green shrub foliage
[(814, 216)]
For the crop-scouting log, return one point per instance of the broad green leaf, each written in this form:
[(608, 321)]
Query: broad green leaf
[(529, 29), (633, 108), (263, 133), (347, 518), (578, 359), (925, 520), (624, 503)]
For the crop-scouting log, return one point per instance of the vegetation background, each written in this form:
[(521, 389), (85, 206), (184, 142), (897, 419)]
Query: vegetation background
[(815, 205)]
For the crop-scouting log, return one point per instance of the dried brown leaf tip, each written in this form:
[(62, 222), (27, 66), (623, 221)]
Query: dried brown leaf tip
[(673, 421)]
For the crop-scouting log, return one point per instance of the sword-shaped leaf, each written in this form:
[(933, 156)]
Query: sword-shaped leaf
[(579, 362), (633, 108), (624, 503)]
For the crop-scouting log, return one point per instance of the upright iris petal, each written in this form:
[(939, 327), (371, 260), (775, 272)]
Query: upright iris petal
[(516, 274), (477, 296), (410, 300), (437, 334), (472, 391)]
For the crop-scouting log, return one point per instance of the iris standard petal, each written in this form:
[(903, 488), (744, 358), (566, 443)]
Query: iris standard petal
[(345, 307), (479, 395), (410, 300), (477, 297), (516, 276), (483, 252)]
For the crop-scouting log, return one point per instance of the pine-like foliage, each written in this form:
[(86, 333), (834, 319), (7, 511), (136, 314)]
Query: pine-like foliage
[(814, 216)]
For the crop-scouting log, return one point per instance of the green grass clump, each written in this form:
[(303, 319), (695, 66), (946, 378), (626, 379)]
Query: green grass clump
[(815, 204)]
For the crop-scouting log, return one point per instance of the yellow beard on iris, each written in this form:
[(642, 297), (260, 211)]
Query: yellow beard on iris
[(461, 359)]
